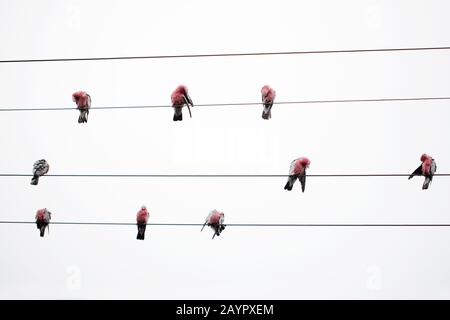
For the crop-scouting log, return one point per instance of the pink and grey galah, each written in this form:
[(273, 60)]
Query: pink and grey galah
[(141, 220), (426, 169), (180, 97), (215, 220), (40, 168), (43, 217), (268, 97), (83, 101), (297, 170)]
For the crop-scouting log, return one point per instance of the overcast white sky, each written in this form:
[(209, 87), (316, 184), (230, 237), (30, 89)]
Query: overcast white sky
[(104, 262)]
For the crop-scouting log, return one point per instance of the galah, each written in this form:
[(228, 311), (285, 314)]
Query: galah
[(426, 169), (297, 170), (83, 101), (268, 97), (180, 97), (141, 219), (215, 220), (40, 168), (43, 217)]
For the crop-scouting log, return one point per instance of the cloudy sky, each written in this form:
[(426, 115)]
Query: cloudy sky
[(106, 262)]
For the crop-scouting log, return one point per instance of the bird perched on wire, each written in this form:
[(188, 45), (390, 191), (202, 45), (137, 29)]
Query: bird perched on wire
[(83, 101), (268, 97), (141, 220), (426, 169), (43, 217), (40, 168), (180, 97), (297, 170), (215, 220)]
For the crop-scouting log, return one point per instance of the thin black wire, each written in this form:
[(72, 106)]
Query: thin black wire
[(238, 104), (248, 224), (216, 175), (212, 55)]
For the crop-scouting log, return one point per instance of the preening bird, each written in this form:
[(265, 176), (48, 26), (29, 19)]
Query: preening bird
[(268, 97), (215, 220), (180, 97), (40, 168), (83, 101), (43, 217), (141, 220), (426, 169), (297, 170)]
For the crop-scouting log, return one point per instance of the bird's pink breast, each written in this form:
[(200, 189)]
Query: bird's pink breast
[(298, 167), (268, 94), (81, 99), (426, 166), (177, 98), (215, 218), (142, 216), (40, 215)]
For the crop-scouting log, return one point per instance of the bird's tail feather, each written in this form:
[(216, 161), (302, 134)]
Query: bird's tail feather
[(83, 116), (42, 229), (426, 183), (178, 117), (141, 233), (35, 180), (289, 185), (266, 111)]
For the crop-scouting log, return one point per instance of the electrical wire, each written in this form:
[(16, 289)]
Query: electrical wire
[(239, 54), (215, 175), (247, 224), (237, 104)]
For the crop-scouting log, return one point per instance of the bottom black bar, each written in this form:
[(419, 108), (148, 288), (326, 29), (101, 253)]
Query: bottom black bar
[(225, 309)]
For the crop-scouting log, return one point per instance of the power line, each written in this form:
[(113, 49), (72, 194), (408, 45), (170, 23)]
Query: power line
[(240, 54), (216, 175), (239, 104), (247, 224)]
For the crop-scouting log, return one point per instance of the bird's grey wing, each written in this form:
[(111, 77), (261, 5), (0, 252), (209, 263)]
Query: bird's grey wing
[(291, 167), (416, 172), (433, 167), (188, 100)]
